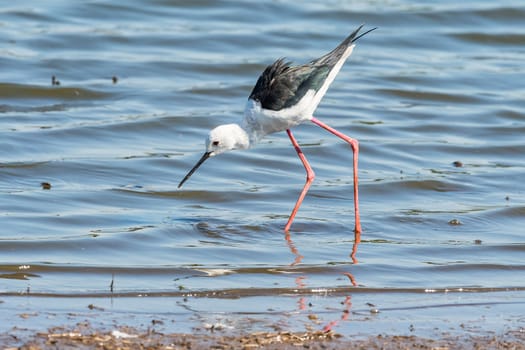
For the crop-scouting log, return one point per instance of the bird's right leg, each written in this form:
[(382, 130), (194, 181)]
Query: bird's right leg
[(355, 149), (310, 175)]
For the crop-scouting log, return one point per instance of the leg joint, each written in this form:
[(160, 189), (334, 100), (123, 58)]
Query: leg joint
[(355, 144), (310, 176)]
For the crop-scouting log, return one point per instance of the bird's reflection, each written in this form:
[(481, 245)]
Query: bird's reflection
[(347, 305), (303, 304), (354, 250), (298, 257), (351, 277), (301, 282)]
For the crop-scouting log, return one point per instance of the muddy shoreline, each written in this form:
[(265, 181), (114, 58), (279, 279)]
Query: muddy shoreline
[(480, 321), (85, 336)]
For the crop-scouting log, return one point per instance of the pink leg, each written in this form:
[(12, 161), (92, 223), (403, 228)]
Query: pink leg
[(355, 150), (310, 175)]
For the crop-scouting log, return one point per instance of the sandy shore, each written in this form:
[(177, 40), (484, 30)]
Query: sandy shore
[(83, 336), (456, 321)]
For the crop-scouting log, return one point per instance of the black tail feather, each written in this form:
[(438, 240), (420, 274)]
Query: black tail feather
[(363, 34)]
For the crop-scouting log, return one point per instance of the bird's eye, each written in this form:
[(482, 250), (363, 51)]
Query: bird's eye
[(215, 143)]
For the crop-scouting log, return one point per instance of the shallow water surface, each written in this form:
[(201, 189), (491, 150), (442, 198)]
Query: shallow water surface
[(435, 96)]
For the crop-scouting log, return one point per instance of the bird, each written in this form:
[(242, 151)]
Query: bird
[(285, 96)]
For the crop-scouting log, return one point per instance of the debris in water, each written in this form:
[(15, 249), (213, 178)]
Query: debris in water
[(54, 81), (454, 222)]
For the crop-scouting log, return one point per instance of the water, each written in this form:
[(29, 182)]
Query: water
[(437, 83)]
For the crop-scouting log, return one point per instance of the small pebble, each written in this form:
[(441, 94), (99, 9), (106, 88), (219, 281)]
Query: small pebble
[(454, 222), (94, 307)]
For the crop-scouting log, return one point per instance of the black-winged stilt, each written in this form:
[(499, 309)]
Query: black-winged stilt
[(285, 96)]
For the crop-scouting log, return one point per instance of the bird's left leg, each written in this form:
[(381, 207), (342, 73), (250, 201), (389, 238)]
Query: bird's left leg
[(310, 175)]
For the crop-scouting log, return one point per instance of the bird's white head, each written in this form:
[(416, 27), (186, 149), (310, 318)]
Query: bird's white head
[(223, 138)]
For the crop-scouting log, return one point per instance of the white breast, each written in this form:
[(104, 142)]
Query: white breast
[(260, 122)]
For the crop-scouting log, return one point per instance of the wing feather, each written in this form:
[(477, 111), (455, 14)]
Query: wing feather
[(282, 85)]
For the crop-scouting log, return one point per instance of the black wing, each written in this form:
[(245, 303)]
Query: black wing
[(281, 85)]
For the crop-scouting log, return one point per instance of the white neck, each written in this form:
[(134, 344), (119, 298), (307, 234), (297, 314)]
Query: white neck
[(242, 138), (254, 123)]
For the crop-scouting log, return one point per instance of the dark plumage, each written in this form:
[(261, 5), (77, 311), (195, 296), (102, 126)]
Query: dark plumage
[(282, 85)]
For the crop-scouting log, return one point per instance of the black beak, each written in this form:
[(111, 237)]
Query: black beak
[(199, 163)]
